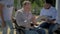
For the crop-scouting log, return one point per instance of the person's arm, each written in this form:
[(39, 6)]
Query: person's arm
[(54, 16), (42, 15), (34, 20), (1, 14)]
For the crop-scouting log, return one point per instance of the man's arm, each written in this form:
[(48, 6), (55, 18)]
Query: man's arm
[(55, 14), (1, 14), (34, 20)]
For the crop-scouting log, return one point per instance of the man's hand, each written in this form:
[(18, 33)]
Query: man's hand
[(53, 22), (36, 24), (33, 20)]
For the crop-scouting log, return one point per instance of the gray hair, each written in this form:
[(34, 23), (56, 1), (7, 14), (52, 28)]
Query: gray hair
[(26, 2)]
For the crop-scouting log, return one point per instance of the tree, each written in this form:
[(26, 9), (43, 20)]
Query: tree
[(35, 3)]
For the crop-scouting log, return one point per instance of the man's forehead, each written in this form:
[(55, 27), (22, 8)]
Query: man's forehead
[(26, 2)]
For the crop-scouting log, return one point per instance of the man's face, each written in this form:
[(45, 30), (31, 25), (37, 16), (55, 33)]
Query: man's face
[(27, 7), (47, 6)]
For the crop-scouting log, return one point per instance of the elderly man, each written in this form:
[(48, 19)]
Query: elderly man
[(24, 16), (6, 8), (51, 13)]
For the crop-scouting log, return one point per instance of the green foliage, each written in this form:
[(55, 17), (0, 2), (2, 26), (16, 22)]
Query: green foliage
[(15, 3), (36, 5)]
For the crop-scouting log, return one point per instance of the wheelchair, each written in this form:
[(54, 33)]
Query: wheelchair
[(21, 30)]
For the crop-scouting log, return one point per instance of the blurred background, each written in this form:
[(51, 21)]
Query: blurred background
[(36, 5)]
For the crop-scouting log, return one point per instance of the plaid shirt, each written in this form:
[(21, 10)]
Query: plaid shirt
[(23, 19)]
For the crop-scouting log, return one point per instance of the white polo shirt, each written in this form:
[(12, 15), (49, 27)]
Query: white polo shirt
[(52, 12), (8, 8)]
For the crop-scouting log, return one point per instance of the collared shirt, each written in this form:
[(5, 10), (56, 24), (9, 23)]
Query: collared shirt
[(23, 19), (7, 9), (52, 12)]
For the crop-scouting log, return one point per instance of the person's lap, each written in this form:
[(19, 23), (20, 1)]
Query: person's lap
[(45, 25), (37, 31), (50, 27), (34, 31)]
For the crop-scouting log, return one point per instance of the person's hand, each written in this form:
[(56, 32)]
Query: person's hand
[(3, 24), (43, 19), (36, 24), (52, 22)]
